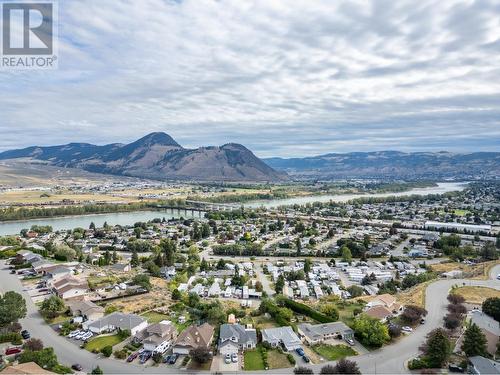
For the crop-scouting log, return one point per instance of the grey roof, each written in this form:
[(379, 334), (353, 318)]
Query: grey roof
[(317, 331), (119, 320), (281, 334), (484, 365), (485, 322), (228, 331)]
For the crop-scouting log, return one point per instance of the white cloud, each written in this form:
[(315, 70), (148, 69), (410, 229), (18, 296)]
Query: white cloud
[(283, 79)]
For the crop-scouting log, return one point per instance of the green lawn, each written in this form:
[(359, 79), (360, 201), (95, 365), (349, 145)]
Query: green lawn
[(346, 312), (100, 342), (155, 317), (253, 360), (277, 360), (333, 352)]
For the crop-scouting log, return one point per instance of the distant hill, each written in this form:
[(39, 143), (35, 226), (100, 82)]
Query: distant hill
[(392, 164), (156, 156)]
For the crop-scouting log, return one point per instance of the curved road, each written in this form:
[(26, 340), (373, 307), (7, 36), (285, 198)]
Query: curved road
[(388, 360)]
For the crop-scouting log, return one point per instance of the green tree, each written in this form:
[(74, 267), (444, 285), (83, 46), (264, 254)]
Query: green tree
[(169, 248), (97, 371), (491, 306), (12, 308), (346, 254), (330, 310), (489, 251), (370, 331), (437, 348), (307, 265), (52, 307), (279, 285), (45, 358), (344, 366), (176, 295), (143, 280), (134, 261), (474, 342)]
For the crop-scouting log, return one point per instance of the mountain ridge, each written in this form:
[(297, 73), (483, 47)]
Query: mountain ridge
[(157, 156), (394, 164)]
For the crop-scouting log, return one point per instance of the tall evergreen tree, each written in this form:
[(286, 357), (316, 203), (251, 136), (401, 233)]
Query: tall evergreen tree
[(474, 341)]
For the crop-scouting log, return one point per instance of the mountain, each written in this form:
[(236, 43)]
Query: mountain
[(392, 164), (156, 156)]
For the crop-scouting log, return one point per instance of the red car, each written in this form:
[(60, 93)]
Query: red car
[(10, 351), (132, 356)]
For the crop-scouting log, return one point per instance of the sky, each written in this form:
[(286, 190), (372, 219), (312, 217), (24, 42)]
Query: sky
[(284, 78)]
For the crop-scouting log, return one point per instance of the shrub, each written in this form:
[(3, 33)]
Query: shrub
[(418, 363), (120, 354), (185, 360), (123, 334), (107, 351), (11, 337), (455, 299), (291, 359), (303, 370)]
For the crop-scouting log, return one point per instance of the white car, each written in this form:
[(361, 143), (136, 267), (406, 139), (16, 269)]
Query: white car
[(74, 333), (407, 329), (498, 276), (79, 336), (227, 358), (87, 336)]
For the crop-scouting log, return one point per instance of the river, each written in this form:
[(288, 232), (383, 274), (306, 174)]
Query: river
[(129, 218), (83, 221), (441, 188)]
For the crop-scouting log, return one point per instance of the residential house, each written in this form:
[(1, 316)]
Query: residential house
[(379, 312), (117, 321), (284, 336), (318, 333), (28, 368), (193, 337), (386, 300), (88, 310), (69, 287), (235, 337), (157, 337), (483, 366)]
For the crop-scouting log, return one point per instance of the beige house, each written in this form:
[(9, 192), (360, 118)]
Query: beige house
[(194, 337)]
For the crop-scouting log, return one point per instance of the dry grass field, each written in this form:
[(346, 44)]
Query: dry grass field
[(476, 294)]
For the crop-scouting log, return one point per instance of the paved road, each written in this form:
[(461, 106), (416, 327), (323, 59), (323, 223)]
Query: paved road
[(389, 360)]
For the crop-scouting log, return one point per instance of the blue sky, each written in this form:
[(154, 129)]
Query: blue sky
[(282, 79)]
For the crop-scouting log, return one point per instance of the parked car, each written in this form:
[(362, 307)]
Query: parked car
[(25, 334), (166, 359), (306, 359), (87, 336), (173, 358), (234, 357), (13, 271), (77, 367), (145, 356), (300, 351), (13, 350), (74, 334), (407, 329), (227, 358), (132, 356), (422, 321), (350, 342), (455, 368)]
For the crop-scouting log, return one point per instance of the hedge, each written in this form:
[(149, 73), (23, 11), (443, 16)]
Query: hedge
[(300, 308), (13, 337)]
